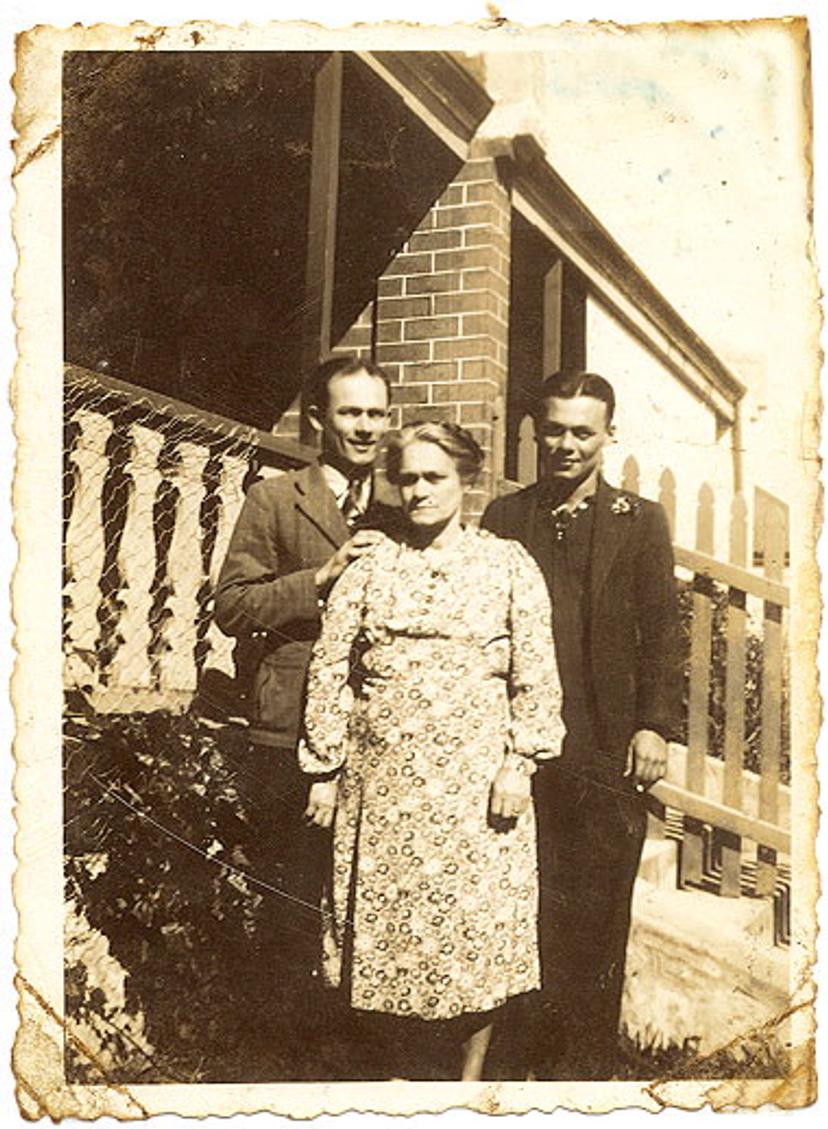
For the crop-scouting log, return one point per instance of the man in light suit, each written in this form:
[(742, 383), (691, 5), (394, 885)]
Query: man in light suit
[(607, 558), (294, 536)]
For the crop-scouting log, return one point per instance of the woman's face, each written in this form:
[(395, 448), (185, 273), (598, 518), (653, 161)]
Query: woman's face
[(431, 488)]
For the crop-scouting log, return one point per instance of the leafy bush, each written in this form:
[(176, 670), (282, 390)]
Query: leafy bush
[(158, 842)]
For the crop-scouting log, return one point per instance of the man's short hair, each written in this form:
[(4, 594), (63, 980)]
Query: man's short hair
[(567, 385), (345, 364)]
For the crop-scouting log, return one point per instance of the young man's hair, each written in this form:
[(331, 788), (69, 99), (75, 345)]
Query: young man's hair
[(347, 364), (566, 385)]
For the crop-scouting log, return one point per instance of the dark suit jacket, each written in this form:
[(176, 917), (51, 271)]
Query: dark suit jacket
[(266, 595), (633, 653)]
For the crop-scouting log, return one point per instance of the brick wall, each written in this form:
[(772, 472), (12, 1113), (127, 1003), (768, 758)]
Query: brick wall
[(442, 318)]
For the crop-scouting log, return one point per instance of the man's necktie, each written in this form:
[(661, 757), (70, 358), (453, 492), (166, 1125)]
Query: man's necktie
[(351, 508)]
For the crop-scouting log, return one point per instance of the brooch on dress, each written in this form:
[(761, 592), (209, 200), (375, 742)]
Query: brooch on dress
[(624, 504)]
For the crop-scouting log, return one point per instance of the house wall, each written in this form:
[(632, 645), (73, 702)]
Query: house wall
[(662, 424)]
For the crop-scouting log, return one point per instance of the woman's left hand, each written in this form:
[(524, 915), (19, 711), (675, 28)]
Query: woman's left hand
[(321, 802), (511, 793)]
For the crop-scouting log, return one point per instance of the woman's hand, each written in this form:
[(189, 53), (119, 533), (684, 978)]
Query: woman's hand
[(511, 793), (321, 803)]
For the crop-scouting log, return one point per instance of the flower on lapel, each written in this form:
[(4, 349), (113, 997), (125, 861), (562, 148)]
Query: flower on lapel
[(624, 504)]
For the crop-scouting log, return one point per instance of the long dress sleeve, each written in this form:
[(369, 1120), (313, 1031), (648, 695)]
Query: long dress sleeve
[(329, 696), (537, 728)]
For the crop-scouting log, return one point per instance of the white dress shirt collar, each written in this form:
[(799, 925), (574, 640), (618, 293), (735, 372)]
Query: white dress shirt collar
[(338, 483)]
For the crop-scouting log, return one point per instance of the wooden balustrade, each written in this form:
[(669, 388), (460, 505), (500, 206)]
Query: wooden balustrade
[(152, 490)]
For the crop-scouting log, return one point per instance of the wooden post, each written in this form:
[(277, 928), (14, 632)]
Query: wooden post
[(178, 669), (692, 854), (564, 319), (230, 498), (656, 811), (729, 845), (321, 248), (131, 667), (84, 550), (775, 545)]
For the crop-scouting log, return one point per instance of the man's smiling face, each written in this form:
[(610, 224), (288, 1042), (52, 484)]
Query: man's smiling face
[(572, 434)]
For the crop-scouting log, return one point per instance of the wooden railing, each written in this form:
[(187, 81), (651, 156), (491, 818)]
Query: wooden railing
[(728, 785), (152, 488)]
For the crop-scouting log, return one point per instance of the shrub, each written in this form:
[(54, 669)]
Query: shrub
[(157, 847)]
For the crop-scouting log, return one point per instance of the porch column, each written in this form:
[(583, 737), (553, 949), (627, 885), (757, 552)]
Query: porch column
[(324, 190), (564, 319)]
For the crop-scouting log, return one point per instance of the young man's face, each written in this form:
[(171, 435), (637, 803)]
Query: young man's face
[(354, 421), (572, 434)]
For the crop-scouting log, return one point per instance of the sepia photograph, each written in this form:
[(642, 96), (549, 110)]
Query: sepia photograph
[(417, 501)]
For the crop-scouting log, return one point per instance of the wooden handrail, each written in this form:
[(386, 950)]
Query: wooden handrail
[(718, 815), (273, 451), (733, 576)]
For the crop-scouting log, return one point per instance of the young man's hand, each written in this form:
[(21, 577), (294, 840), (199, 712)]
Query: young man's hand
[(646, 758)]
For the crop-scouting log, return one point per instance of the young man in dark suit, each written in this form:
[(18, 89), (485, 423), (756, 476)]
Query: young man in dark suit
[(607, 558), (295, 535)]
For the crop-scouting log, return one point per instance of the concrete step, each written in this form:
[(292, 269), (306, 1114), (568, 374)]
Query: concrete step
[(659, 863), (702, 966)]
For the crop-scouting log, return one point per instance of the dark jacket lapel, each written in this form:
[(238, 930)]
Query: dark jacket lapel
[(609, 533), (315, 499)]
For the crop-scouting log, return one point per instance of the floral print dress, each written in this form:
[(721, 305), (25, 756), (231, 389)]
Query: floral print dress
[(433, 667)]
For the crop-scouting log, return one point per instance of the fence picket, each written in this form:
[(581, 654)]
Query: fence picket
[(693, 844), (775, 545), (631, 475), (667, 497), (729, 846)]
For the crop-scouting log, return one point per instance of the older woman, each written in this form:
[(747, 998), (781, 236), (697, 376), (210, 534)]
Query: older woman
[(432, 691)]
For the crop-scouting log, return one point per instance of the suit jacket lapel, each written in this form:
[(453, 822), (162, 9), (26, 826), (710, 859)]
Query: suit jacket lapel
[(314, 498), (609, 533)]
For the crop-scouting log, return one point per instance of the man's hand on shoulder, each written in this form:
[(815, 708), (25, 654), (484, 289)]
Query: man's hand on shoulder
[(646, 758), (354, 548)]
